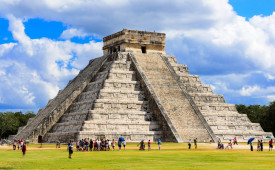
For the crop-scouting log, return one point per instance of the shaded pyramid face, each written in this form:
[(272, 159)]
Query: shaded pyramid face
[(112, 105)]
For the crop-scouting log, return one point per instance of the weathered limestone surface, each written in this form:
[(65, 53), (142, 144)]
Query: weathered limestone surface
[(56, 107), (181, 113), (112, 105), (223, 118)]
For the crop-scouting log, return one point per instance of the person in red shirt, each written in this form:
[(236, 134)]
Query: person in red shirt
[(149, 145), (270, 145)]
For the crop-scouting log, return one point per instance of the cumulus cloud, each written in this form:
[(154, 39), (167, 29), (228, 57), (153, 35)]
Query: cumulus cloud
[(73, 32), (225, 49), (33, 70)]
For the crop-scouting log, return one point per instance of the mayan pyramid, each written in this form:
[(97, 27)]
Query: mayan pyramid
[(138, 92)]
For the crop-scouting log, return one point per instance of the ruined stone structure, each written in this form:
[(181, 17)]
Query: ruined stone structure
[(138, 92)]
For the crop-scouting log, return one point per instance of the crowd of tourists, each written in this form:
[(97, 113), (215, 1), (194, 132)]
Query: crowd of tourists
[(20, 144), (99, 145)]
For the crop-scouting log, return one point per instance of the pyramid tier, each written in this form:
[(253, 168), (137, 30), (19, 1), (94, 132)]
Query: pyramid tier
[(122, 94), (198, 88), (215, 106), (118, 104), (122, 84), (207, 97), (119, 125), (121, 115), (188, 78), (77, 115)]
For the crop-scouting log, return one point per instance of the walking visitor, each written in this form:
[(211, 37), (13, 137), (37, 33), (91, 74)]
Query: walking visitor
[(195, 143), (124, 144), (159, 143), (235, 141), (251, 145), (149, 145), (189, 144), (70, 148), (24, 148), (270, 145)]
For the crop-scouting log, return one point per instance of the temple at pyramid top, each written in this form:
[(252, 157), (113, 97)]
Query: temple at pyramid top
[(134, 41)]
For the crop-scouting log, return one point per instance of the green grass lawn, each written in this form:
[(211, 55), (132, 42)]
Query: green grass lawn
[(172, 156)]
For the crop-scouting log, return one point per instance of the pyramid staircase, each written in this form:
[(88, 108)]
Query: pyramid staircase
[(112, 105), (223, 118)]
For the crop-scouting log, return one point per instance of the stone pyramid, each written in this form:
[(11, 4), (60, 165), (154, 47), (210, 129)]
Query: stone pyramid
[(138, 92)]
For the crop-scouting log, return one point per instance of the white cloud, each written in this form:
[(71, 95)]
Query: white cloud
[(250, 90), (73, 32), (208, 36), (30, 70)]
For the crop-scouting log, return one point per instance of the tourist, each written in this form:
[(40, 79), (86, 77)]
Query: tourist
[(142, 145), (95, 145), (86, 144), (109, 144), (14, 145), (259, 146), (98, 145), (189, 144), (24, 148), (119, 144), (124, 144), (77, 146), (107, 147), (70, 148), (57, 144), (270, 145), (235, 141), (19, 144), (159, 143), (262, 147), (195, 142), (251, 145), (229, 145), (113, 144), (103, 145), (91, 145), (149, 145)]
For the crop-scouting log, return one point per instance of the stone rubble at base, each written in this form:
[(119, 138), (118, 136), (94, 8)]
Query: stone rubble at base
[(138, 92)]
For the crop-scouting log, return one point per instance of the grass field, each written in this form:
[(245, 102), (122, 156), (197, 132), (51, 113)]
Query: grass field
[(172, 156)]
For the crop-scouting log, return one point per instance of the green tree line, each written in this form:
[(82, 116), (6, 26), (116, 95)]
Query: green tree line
[(265, 115), (11, 121)]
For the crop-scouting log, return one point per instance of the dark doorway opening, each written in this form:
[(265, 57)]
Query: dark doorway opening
[(143, 49), (40, 139)]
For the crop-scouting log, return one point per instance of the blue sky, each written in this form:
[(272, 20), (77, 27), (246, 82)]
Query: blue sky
[(229, 44)]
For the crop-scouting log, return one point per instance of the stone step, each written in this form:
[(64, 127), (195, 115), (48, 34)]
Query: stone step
[(122, 84), (227, 118), (232, 123), (123, 115), (63, 137), (77, 116), (242, 132), (102, 75), (216, 106), (121, 104), (121, 65), (198, 88), (67, 126), (95, 85), (188, 78), (125, 94), (80, 106), (207, 98), (88, 95), (221, 113), (122, 74), (120, 126)]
